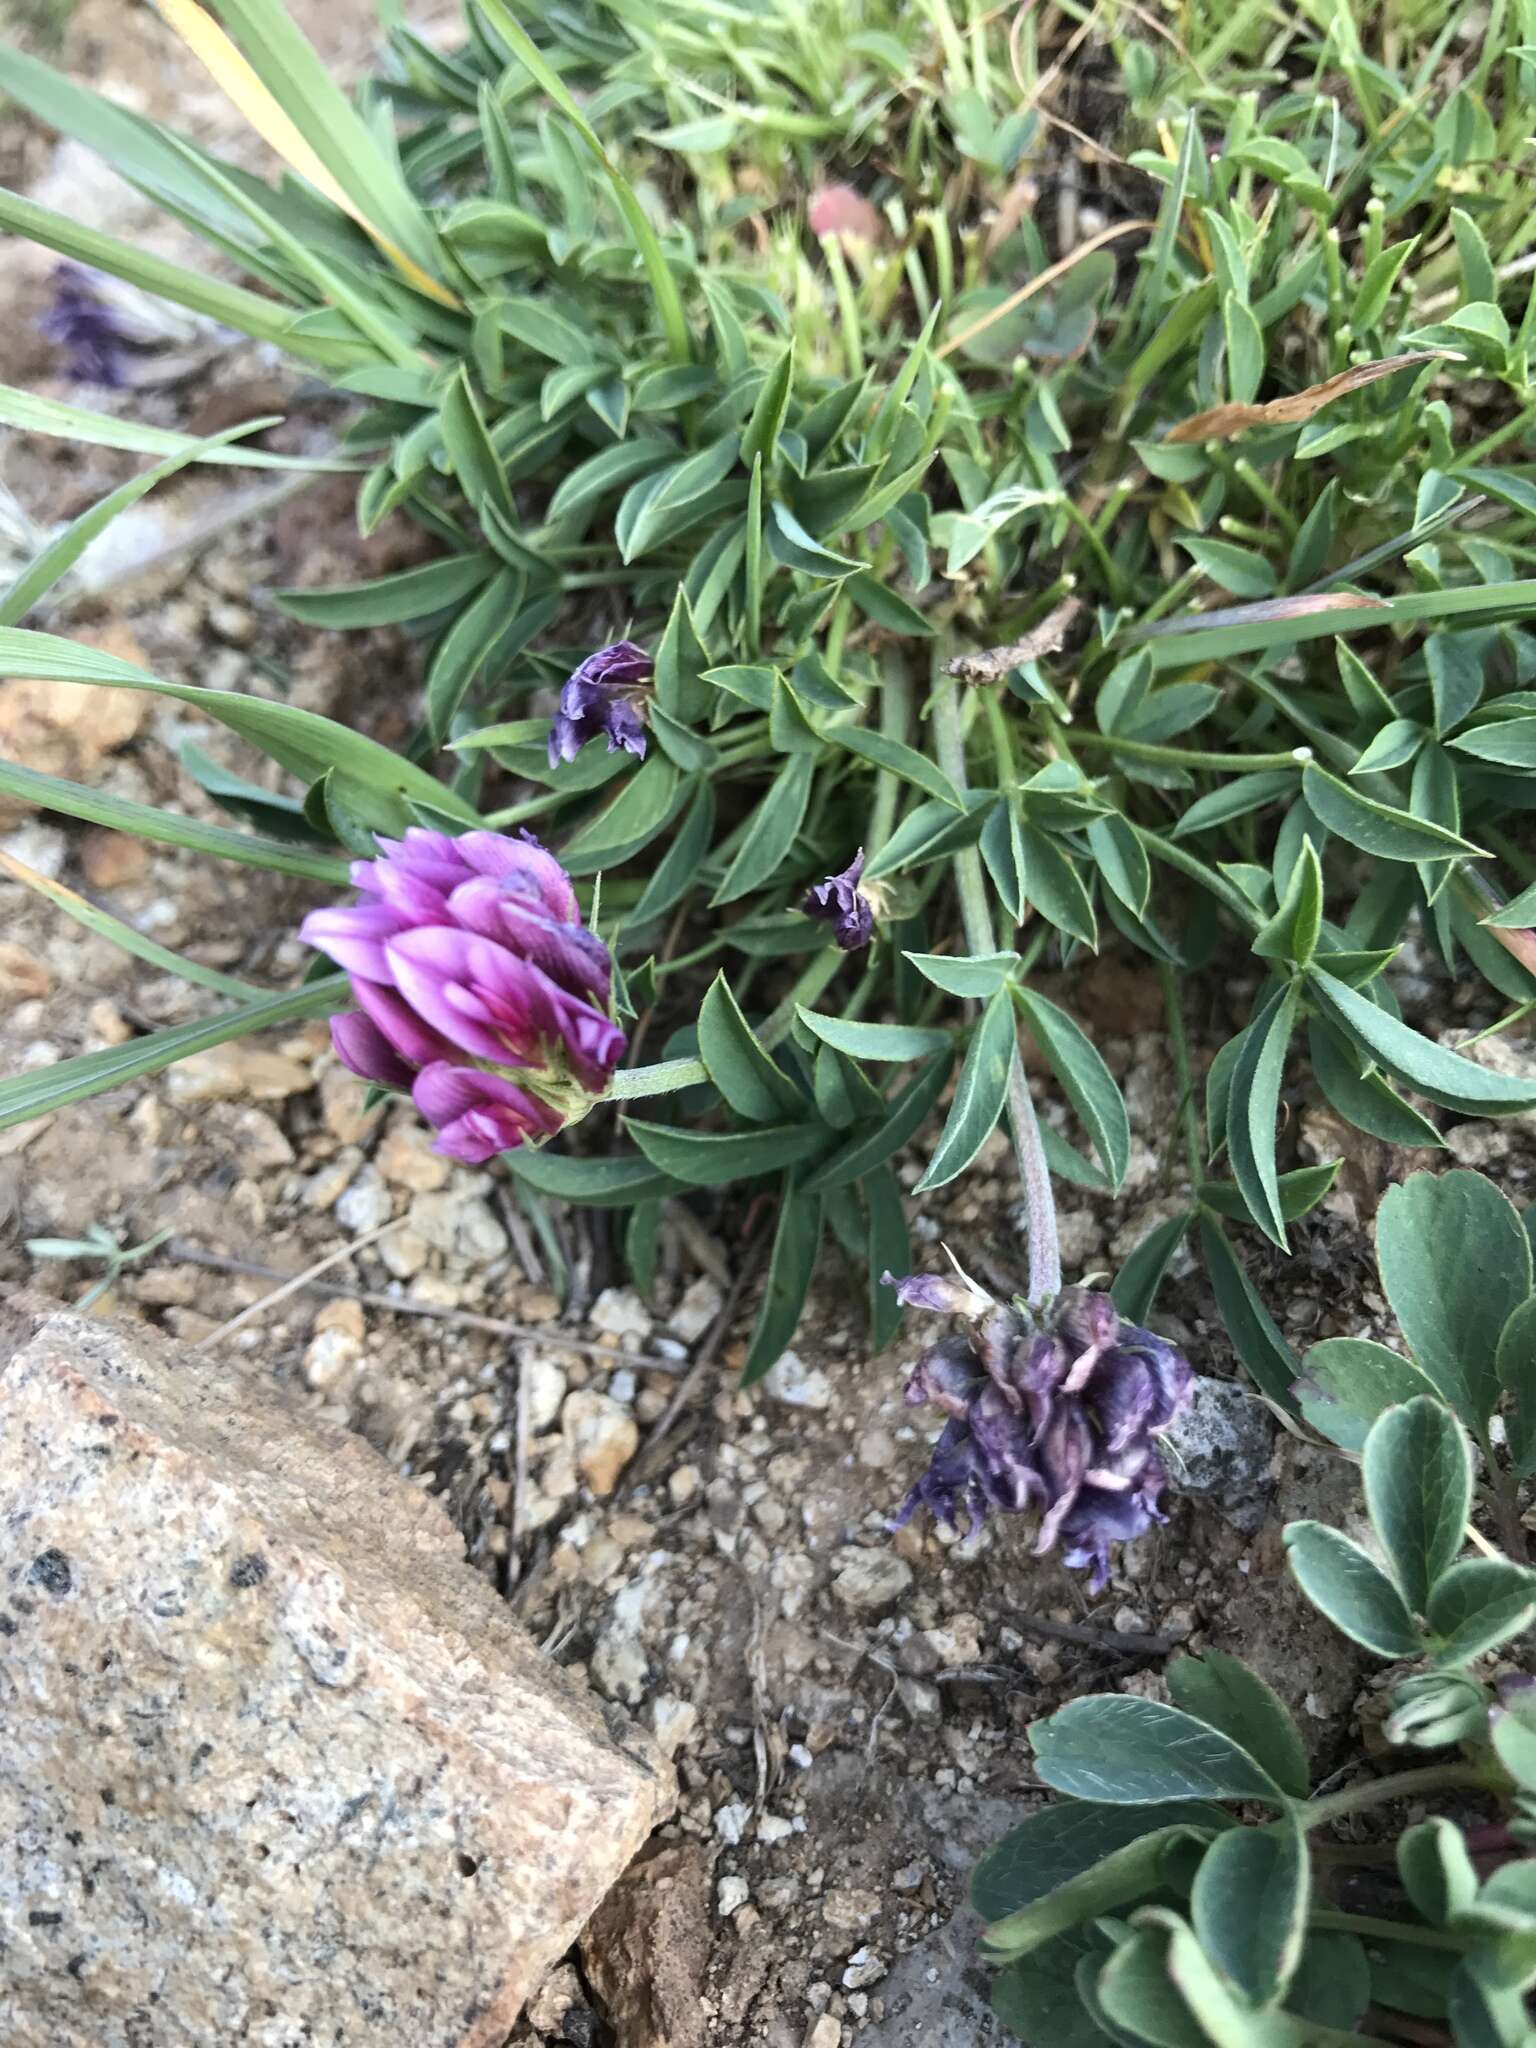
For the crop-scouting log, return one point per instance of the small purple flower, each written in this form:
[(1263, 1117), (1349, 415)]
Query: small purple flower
[(1057, 1414), (948, 1296), (87, 328), (841, 903), (470, 966), (601, 697)]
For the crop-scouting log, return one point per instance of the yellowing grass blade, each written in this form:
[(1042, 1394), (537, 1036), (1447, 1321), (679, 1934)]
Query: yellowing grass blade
[(233, 72)]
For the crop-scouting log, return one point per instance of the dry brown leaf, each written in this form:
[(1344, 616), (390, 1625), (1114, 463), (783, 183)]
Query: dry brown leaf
[(993, 663), (1223, 421), (1266, 611)]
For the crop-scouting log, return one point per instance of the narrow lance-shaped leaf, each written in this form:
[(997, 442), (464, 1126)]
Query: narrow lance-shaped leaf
[(979, 1093)]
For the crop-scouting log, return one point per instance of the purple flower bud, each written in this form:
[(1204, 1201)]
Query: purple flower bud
[(841, 903), (86, 326), (1057, 1417), (600, 697), (470, 966)]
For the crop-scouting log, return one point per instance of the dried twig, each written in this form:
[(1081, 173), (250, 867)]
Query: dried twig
[(186, 1254), (991, 664), (1135, 1645), (294, 1284)]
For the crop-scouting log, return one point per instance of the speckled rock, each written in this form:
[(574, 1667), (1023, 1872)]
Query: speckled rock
[(278, 1767)]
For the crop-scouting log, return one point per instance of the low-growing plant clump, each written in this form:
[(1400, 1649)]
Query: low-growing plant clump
[(856, 585)]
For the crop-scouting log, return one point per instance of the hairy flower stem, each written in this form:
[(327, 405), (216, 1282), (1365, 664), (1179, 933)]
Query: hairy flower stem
[(1431, 1778), (1039, 1202), (1326, 1921)]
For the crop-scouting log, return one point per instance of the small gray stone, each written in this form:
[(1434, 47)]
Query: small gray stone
[(463, 1226), (798, 1385), (1219, 1451), (867, 1580)]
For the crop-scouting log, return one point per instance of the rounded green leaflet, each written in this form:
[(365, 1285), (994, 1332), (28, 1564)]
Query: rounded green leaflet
[(1456, 1263), (1127, 1751), (1417, 1469), (1351, 1589)]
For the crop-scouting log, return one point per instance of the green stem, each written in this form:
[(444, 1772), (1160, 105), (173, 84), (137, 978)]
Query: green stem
[(976, 914), (808, 986), (895, 712), (665, 1078), (1193, 757), (1404, 1785), (1504, 1492), (1178, 1047), (1325, 1921)]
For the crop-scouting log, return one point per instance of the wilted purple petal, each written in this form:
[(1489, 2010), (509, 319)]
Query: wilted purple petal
[(839, 902), (949, 1485), (1010, 1476), (946, 1294), (598, 698), (1172, 1375), (87, 328), (1125, 1399), (360, 1045), (946, 1376)]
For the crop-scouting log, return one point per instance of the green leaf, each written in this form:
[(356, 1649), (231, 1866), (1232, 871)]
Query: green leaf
[(1058, 1843), (468, 645), (793, 548), (34, 415), (1221, 1691), (1349, 1382), (706, 1159), (1393, 747), (1052, 884), (1270, 1362), (959, 974), (762, 431), (1253, 1108), (1232, 568), (1478, 1604), (1366, 1101), (905, 1117), (1249, 1907), (669, 304), (1136, 1995), (1122, 861), (1418, 1490), (39, 1093), (390, 600), (863, 1041), (1136, 1285), (795, 1245), (1436, 1871), (1445, 1077), (892, 755), (647, 802), (889, 1251), (377, 784), (1038, 1998), (1085, 1080), (1292, 933), (1300, 1190), (1354, 1592), (979, 1094), (772, 832), (678, 869), (932, 830), (1456, 1263), (1510, 742), (1516, 1367), (1458, 667), (1332, 1984), (469, 447), (735, 1060), (606, 471), (167, 828), (616, 1182), (1378, 829), (1125, 1750), (1118, 1878)]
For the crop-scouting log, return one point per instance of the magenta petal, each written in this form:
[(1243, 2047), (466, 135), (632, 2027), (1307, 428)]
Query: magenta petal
[(354, 937), (361, 1046), (405, 1031), (523, 865), (459, 983), (477, 1114)]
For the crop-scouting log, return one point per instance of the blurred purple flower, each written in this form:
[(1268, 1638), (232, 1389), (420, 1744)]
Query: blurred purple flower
[(86, 327), (841, 903), (1058, 1415), (600, 697), (470, 966)]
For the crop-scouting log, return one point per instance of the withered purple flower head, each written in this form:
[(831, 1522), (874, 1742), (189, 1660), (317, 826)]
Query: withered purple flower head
[(1057, 1414), (87, 328), (478, 987), (841, 902), (603, 696)]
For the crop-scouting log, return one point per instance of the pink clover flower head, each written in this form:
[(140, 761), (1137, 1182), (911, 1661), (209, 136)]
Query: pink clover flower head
[(477, 987)]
